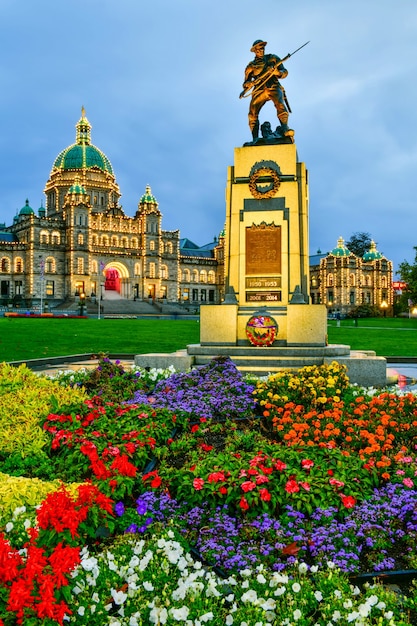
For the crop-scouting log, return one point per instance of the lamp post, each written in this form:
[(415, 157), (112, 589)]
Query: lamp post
[(82, 303), (384, 307)]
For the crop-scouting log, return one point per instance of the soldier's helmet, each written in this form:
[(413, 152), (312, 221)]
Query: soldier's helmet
[(258, 43)]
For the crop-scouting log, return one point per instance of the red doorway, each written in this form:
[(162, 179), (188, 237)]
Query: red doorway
[(112, 282)]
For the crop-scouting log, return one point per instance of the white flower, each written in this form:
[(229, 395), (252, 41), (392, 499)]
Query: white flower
[(148, 586), (229, 620), (89, 564), (318, 595), (9, 527), (336, 616), (353, 616), (207, 617), (27, 524), (19, 510), (330, 565), (296, 587), (372, 600), (314, 569), (81, 610), (268, 605), (364, 609), (118, 596), (245, 584), (297, 615), (158, 615), (388, 615), (303, 568), (381, 606), (337, 594), (280, 591), (249, 596), (180, 615), (246, 572), (347, 604), (261, 579)]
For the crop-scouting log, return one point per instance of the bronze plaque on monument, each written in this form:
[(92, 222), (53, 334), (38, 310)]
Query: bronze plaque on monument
[(263, 249)]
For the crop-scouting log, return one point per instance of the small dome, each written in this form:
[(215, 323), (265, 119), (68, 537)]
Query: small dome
[(82, 154), (148, 197), (372, 254), (341, 249), (26, 210), (77, 188)]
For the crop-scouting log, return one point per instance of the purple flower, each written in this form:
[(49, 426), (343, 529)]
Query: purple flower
[(119, 508)]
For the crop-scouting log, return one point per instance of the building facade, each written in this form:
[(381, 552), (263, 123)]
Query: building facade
[(82, 242), (343, 281)]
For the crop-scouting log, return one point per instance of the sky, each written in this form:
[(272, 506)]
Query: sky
[(160, 83)]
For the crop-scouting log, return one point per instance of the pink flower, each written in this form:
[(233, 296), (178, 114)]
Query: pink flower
[(336, 483), (292, 486), (279, 465), (215, 477), (248, 485), (408, 482), (305, 486), (198, 483), (261, 479), (400, 472)]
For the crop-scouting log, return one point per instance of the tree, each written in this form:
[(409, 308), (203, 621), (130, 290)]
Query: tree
[(359, 243), (408, 273)]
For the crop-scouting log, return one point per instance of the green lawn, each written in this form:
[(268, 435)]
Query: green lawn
[(387, 336), (40, 338)]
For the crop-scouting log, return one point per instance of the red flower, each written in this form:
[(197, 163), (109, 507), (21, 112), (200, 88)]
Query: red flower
[(307, 464), (198, 484), (265, 495), (292, 486), (203, 419), (261, 479), (279, 465), (215, 477), (122, 465), (243, 504), (195, 428), (223, 490), (156, 482), (248, 485), (206, 447), (305, 486), (330, 472), (348, 501), (169, 441)]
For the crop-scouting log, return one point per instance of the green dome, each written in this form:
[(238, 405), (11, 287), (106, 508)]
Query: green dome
[(77, 188), (148, 197), (341, 249), (26, 210), (372, 254), (82, 154)]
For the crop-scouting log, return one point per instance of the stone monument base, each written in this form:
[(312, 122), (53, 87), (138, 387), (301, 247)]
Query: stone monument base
[(363, 368)]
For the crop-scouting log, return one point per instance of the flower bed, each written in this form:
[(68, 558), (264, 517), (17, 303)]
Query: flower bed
[(206, 497)]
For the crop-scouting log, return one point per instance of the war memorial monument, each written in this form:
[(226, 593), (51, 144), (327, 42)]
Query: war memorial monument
[(267, 322)]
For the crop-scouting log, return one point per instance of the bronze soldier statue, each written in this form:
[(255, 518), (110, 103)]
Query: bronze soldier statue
[(261, 78)]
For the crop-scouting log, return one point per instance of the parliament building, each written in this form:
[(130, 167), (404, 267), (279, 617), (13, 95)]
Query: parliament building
[(83, 243)]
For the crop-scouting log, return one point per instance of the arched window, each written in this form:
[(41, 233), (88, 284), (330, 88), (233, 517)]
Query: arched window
[(330, 280), (18, 265), (211, 277), (44, 236), (125, 242), (384, 282), (195, 276), (203, 276), (114, 241), (134, 242), (50, 265), (352, 280), (104, 240), (56, 238), (94, 267), (186, 276), (168, 247), (152, 270), (94, 240), (80, 265), (152, 245), (80, 239), (137, 269), (164, 271), (5, 264)]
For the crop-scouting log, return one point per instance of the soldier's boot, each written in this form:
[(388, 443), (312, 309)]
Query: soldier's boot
[(285, 130), (254, 126)]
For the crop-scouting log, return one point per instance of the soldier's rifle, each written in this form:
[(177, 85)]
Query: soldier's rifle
[(260, 82)]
